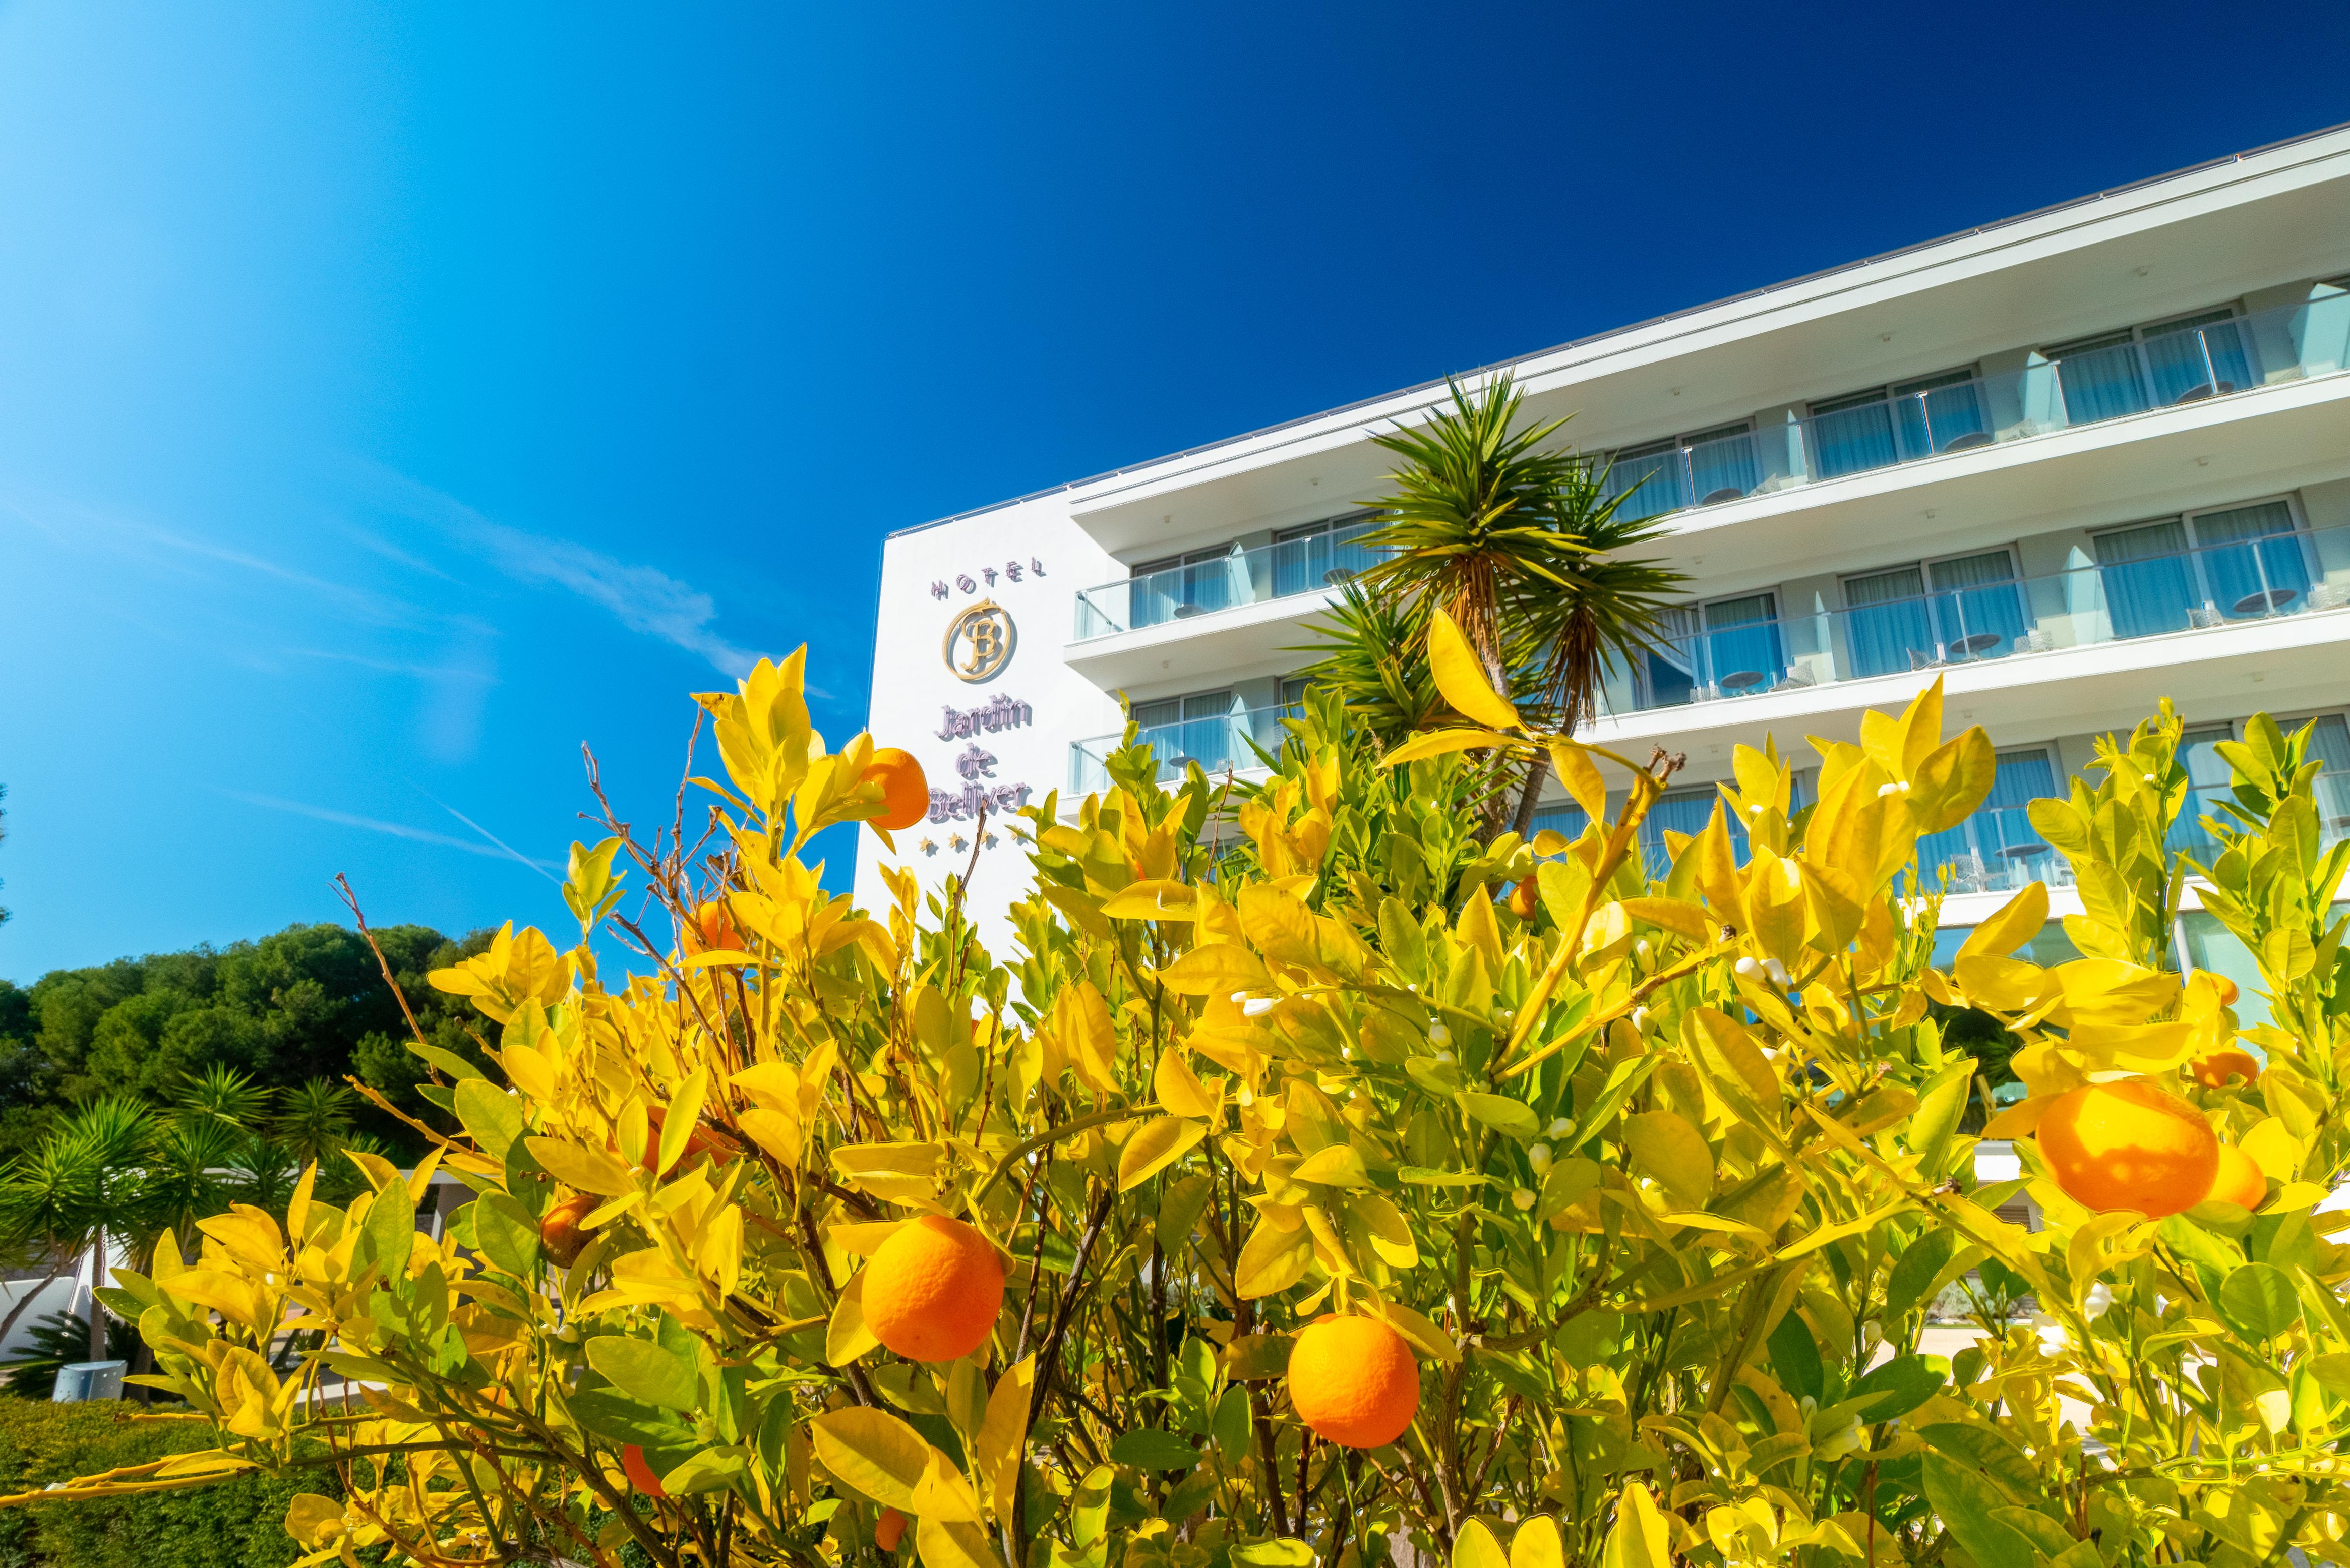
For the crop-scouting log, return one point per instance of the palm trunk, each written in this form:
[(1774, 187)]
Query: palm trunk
[(96, 1307)]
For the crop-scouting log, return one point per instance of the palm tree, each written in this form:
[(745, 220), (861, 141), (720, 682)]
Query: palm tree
[(1372, 649), (81, 1188), (1611, 609), (1520, 546), (1464, 525)]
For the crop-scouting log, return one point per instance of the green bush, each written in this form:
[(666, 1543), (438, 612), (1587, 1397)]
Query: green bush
[(237, 1523)]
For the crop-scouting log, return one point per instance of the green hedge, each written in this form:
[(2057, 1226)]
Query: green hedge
[(236, 1523)]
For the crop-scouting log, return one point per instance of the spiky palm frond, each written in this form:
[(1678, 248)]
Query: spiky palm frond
[(1372, 649), (226, 1094), (1463, 524), (315, 1120), (55, 1340)]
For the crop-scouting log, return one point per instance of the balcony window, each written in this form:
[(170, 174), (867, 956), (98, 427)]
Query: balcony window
[(1961, 609), (1695, 469), (1205, 727), (2151, 367), (2240, 563), (1322, 555), (1998, 848), (1898, 423), (1186, 584), (2331, 745)]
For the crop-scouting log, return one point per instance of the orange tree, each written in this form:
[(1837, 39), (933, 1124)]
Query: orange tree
[(1287, 1193)]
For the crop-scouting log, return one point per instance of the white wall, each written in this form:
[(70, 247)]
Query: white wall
[(914, 684)]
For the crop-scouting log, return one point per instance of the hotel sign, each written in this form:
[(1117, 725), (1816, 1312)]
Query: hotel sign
[(990, 636)]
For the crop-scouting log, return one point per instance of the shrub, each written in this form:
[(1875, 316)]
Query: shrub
[(236, 1522), (1659, 1182)]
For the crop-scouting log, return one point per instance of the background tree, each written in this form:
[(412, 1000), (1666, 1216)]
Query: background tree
[(308, 1002)]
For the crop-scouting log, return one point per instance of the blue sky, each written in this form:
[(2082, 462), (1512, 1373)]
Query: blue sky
[(394, 397)]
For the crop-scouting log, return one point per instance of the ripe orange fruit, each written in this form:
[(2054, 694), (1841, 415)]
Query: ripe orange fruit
[(2239, 1181), (560, 1231), (2214, 1069), (1354, 1381), (889, 1529), (932, 1290), (716, 927), (640, 1474), (2128, 1145), (905, 793), (1523, 900)]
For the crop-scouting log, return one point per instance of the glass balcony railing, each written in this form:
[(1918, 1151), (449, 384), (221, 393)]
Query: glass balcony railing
[(1274, 571), (1216, 744), (2255, 578), (1997, 851), (2156, 368)]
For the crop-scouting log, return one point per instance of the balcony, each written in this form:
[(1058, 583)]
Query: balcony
[(1226, 581), (2088, 382), (1730, 650), (1217, 743)]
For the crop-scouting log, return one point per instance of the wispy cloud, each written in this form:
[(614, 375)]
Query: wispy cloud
[(643, 598), (495, 849)]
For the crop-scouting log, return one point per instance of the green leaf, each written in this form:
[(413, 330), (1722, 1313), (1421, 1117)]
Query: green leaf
[(508, 1236), (1966, 1500), (1898, 1387), (449, 1061), (617, 1418), (1916, 1272), (1514, 1117), (1988, 1453), (1276, 1552), (643, 1370), (490, 1116), (2259, 1301), (1429, 1176), (1795, 1358), (1940, 1104), (390, 1229), (1149, 1449)]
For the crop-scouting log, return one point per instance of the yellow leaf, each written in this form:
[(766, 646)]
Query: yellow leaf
[(1157, 1143), (1422, 1334), (1668, 1148), (2269, 1145), (314, 1520), (1002, 1435), (845, 1337), (1639, 1539), (1474, 1547), (1580, 775), (862, 1239), (1154, 900), (777, 1132), (872, 1452), (2016, 922), (1951, 780), (953, 1543), (1081, 1022), (1681, 918), (588, 1170), (1337, 1165), (1179, 1088), (1460, 676), (1216, 969), (685, 1111), (942, 1493), (1272, 1260), (1439, 742), (1537, 1544)]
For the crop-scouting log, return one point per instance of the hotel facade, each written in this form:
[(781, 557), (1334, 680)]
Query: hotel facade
[(2069, 464)]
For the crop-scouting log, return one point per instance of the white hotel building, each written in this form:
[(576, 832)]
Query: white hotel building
[(2070, 462)]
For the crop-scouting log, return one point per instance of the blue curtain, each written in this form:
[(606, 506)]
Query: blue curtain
[(1978, 612), (1852, 435), (1655, 480), (1934, 413), (2101, 380), (2207, 780), (2253, 562), (1742, 641), (2148, 578), (2330, 744), (1722, 461), (1154, 591), (1886, 621), (2000, 833), (2200, 354), (1681, 811)]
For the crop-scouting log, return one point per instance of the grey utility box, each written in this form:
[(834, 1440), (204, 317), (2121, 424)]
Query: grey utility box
[(89, 1380)]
